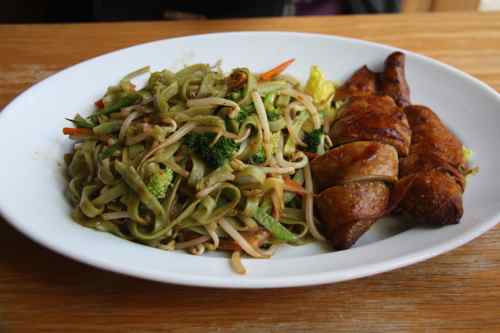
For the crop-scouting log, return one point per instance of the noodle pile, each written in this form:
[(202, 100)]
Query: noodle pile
[(202, 161)]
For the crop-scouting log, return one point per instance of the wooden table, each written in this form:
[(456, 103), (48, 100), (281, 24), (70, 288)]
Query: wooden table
[(43, 291)]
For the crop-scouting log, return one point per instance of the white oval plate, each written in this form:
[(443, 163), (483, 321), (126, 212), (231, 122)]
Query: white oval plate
[(31, 191)]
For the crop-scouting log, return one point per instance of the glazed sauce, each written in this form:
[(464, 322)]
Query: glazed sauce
[(367, 154)]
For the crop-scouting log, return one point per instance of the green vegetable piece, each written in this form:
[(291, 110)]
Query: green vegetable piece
[(273, 115), (108, 127), (214, 155), (244, 113), (274, 227), (108, 152), (313, 139), (159, 182), (250, 175), (134, 181), (269, 101), (115, 106), (259, 157), (81, 122), (235, 95)]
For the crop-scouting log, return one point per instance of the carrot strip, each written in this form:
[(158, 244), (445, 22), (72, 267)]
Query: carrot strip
[(269, 75), (99, 104), (293, 186), (77, 131), (228, 245)]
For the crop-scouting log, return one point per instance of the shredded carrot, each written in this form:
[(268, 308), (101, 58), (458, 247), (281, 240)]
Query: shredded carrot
[(269, 75), (228, 245), (293, 186), (254, 237), (99, 104), (77, 131)]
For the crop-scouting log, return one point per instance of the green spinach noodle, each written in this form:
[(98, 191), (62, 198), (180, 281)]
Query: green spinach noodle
[(203, 160)]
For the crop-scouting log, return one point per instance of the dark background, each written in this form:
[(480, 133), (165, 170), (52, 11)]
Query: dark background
[(31, 11)]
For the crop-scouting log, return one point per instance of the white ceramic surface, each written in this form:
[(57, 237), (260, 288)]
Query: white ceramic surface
[(31, 182)]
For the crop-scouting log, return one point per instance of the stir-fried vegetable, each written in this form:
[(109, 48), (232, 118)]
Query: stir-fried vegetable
[(274, 227), (213, 152), (273, 115), (81, 122), (159, 182), (259, 157), (77, 131), (121, 102), (319, 87), (109, 151), (269, 75), (313, 140), (244, 113)]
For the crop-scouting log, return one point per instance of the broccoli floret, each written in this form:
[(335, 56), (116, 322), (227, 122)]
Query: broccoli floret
[(244, 113), (159, 182), (273, 115), (235, 95), (313, 139), (214, 155), (259, 157)]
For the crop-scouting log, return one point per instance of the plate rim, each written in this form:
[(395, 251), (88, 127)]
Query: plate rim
[(230, 281)]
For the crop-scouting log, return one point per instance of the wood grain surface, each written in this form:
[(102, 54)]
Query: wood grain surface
[(44, 292)]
